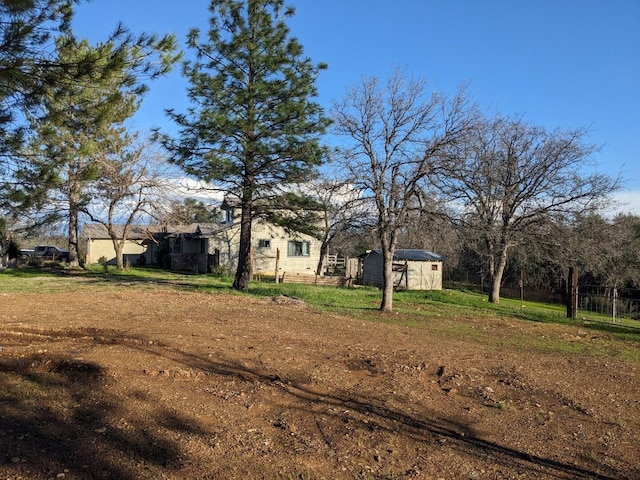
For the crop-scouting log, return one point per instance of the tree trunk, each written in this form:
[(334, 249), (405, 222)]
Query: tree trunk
[(74, 207), (324, 247), (118, 244), (119, 248), (243, 272), (497, 271), (387, 273), (494, 289)]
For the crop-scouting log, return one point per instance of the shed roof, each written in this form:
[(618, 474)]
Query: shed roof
[(413, 255)]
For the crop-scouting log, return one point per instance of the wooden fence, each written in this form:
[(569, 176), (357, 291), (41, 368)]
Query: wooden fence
[(316, 280)]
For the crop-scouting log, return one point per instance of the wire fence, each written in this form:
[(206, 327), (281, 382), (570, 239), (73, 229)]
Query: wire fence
[(609, 304)]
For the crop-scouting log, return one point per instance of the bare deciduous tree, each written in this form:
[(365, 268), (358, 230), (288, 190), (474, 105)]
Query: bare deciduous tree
[(134, 177), (608, 249), (428, 227), (342, 208), (188, 210), (510, 179), (396, 131)]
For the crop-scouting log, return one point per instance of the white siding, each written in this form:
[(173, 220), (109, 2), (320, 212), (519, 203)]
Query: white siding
[(227, 242), (422, 276), (264, 257), (100, 247)]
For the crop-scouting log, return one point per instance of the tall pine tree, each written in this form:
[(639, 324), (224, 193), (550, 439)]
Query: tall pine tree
[(26, 29), (253, 128), (26, 69), (36, 74), (79, 121)]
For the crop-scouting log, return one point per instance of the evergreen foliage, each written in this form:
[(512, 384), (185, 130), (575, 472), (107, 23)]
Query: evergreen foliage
[(75, 100), (26, 28), (253, 127), (190, 211)]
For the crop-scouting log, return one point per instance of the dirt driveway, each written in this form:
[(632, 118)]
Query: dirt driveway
[(138, 382)]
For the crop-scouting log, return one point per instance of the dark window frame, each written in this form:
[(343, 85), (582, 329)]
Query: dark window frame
[(298, 248)]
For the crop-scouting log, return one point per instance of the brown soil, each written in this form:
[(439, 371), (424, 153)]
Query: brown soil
[(135, 383)]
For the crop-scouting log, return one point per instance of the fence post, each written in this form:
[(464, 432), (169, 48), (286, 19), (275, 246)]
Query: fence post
[(251, 260), (521, 289), (572, 293)]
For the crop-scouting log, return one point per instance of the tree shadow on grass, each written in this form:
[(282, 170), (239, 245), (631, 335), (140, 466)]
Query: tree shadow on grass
[(155, 277)]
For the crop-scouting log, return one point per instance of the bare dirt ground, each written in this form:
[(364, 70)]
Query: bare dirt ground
[(150, 383)]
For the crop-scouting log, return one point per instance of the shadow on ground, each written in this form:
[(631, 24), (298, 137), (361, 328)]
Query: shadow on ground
[(58, 418), (54, 411)]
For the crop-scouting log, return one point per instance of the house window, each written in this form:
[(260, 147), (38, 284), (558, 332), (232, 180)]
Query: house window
[(434, 267), (177, 245), (298, 249), (229, 215), (264, 243)]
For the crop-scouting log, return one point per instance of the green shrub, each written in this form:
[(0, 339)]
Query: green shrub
[(221, 272), (104, 261)]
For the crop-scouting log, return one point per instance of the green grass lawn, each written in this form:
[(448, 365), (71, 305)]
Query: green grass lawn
[(360, 301)]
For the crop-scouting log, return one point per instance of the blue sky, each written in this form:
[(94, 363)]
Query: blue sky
[(559, 63)]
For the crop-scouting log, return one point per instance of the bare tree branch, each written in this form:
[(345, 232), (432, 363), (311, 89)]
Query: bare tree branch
[(509, 179), (396, 133)]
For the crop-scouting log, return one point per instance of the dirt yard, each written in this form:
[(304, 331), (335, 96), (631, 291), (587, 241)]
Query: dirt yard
[(149, 383)]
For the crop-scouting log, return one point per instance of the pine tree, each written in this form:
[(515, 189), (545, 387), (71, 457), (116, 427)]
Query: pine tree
[(82, 117), (26, 28), (25, 68), (78, 122), (254, 126), (36, 73)]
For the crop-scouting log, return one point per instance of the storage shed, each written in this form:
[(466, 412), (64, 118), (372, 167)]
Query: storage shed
[(413, 269)]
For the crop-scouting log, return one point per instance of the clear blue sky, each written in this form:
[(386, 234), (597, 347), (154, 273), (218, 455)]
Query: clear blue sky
[(560, 63)]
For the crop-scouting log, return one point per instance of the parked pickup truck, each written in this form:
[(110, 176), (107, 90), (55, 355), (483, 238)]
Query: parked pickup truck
[(49, 253)]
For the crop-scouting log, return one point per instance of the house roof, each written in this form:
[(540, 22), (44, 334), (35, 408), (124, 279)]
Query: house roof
[(141, 232), (136, 232), (413, 255), (230, 201), (199, 230)]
